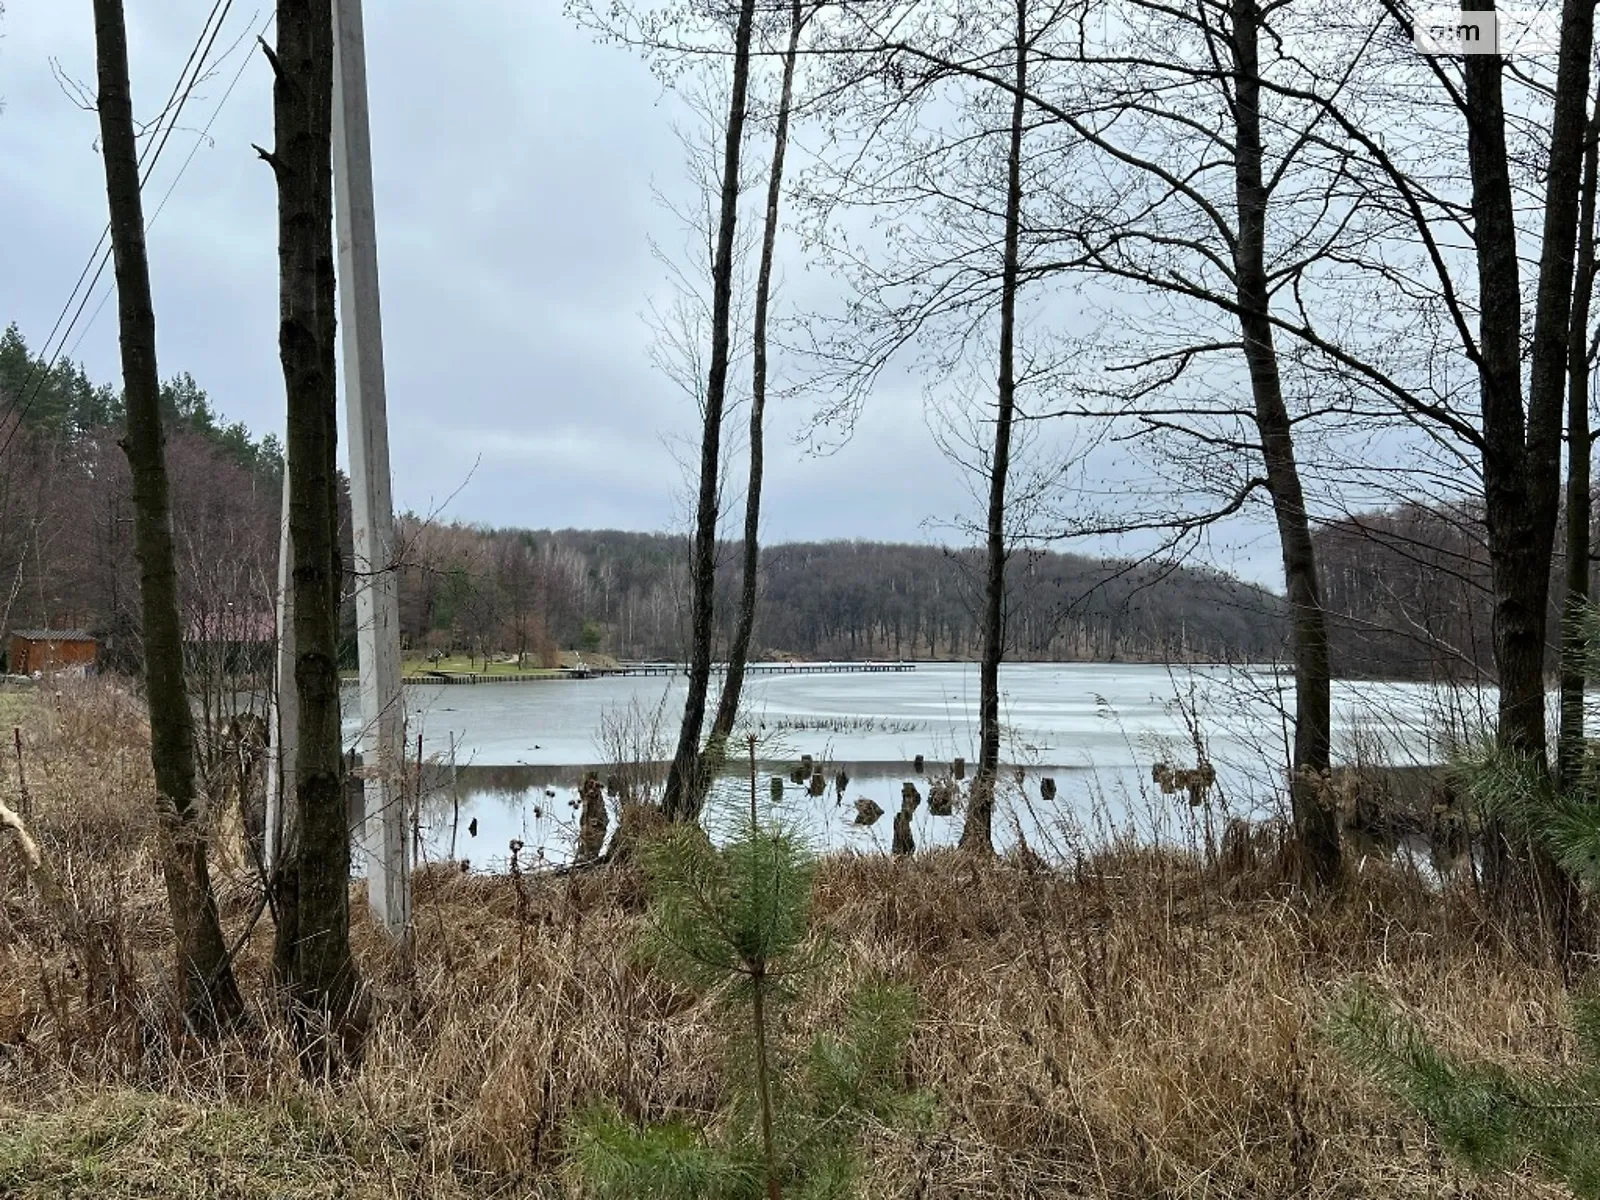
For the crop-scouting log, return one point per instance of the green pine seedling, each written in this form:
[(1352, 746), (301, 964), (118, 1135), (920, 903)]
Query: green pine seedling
[(731, 923), (1489, 1117)]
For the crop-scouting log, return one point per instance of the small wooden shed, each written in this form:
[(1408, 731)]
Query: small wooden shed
[(45, 651)]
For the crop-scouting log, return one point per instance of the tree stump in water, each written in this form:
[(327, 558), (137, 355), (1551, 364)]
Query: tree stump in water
[(819, 784), (910, 798), (942, 797), (840, 782), (916, 764), (904, 845), (776, 788), (959, 768), (593, 822), (867, 810), (1047, 788)]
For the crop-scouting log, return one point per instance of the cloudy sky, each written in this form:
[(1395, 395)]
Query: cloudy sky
[(519, 174)]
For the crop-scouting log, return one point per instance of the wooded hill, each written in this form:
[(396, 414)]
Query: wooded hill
[(66, 559), (1407, 590), (468, 589), (1409, 593)]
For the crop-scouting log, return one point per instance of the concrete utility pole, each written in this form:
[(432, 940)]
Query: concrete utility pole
[(388, 858)]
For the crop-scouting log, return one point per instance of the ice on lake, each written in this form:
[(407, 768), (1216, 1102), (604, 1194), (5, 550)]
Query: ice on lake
[(521, 750)]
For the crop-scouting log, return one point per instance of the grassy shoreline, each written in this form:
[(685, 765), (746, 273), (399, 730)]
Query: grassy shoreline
[(1137, 1025)]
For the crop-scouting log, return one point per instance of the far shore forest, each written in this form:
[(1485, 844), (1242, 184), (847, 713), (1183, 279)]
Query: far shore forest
[(1405, 588)]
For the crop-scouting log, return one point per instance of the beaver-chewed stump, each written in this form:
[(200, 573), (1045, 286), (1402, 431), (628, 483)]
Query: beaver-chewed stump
[(593, 821), (910, 798), (942, 797), (904, 845), (819, 783), (868, 810)]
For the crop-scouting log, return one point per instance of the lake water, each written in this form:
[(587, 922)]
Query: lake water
[(1096, 730)]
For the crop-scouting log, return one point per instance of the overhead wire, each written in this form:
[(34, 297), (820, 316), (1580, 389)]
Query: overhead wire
[(205, 137), (194, 70)]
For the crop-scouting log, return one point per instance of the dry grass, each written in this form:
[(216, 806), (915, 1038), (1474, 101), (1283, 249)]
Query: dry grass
[(1121, 1030)]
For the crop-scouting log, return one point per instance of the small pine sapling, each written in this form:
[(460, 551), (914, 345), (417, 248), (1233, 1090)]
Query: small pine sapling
[(732, 924)]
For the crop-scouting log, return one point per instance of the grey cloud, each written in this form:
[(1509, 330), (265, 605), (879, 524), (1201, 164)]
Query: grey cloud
[(515, 165)]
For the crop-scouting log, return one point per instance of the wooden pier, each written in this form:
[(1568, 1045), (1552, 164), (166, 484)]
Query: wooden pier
[(446, 678)]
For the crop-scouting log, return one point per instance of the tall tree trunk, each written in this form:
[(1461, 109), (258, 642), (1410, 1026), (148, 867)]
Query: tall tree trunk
[(977, 831), (685, 780), (1522, 448), (210, 997), (312, 956), (739, 652), (1574, 635), (1316, 830)]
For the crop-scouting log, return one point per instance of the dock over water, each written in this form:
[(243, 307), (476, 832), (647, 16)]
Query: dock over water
[(658, 669)]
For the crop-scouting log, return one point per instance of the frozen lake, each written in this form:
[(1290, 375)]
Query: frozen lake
[(1095, 729)]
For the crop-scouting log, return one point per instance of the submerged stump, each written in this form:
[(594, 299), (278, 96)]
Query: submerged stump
[(593, 821), (904, 845)]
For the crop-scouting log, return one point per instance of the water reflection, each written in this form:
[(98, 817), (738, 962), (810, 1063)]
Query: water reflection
[(474, 813)]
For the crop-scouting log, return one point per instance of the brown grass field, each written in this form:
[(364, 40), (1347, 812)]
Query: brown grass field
[(1132, 1027)]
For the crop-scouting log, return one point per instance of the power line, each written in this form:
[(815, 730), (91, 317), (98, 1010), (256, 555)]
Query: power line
[(193, 71), (94, 254), (205, 135)]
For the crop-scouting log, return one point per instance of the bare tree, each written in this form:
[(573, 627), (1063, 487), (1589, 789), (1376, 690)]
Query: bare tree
[(210, 997), (739, 650), (977, 832), (684, 781), (312, 953), (516, 578), (1580, 442)]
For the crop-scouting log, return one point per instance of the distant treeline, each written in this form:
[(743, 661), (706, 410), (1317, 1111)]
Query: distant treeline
[(1408, 594), (1407, 589), (470, 589), (66, 510)]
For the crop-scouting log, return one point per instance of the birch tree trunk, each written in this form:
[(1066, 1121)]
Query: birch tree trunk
[(1574, 635)]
